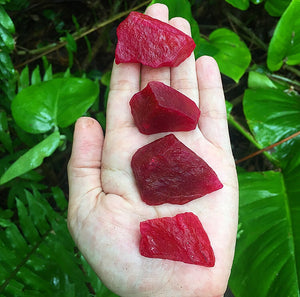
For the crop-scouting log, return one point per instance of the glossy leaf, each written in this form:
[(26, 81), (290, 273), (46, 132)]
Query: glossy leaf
[(265, 248), (271, 114), (233, 55), (58, 102), (6, 66), (285, 43), (240, 4), (32, 158), (276, 7), (6, 21)]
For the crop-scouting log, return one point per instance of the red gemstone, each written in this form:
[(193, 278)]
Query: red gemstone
[(143, 39), (166, 171), (180, 238), (160, 108)]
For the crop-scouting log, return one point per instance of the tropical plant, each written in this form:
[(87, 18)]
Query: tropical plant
[(37, 254)]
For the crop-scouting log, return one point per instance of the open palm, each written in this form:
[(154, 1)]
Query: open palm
[(105, 208)]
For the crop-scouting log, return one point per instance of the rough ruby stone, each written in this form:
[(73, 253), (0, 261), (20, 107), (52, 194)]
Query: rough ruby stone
[(160, 108), (180, 238), (143, 39), (166, 171)]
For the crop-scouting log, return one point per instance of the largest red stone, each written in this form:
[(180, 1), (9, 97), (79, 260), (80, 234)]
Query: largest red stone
[(166, 171), (180, 238), (143, 39)]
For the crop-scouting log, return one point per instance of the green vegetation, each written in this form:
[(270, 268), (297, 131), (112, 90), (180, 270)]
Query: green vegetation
[(55, 63)]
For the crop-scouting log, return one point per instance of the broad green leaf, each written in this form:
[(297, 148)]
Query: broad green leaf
[(58, 102), (233, 56), (32, 158), (271, 114), (240, 4), (285, 43), (6, 21), (264, 263), (276, 7)]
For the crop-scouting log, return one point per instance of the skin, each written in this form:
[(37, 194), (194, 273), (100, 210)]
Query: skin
[(104, 205)]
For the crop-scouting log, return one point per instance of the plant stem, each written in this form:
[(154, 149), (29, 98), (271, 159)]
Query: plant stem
[(292, 69), (243, 131), (250, 137), (268, 147), (249, 32), (285, 79)]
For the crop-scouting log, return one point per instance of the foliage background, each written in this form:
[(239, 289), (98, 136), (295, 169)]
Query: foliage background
[(55, 61)]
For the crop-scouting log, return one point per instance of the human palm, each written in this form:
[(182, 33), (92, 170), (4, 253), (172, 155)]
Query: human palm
[(105, 208)]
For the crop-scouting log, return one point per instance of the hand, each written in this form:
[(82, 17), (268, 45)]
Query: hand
[(105, 208)]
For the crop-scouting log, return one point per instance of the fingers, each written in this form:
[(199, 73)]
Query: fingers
[(124, 83), (162, 74), (84, 164), (184, 77), (213, 118)]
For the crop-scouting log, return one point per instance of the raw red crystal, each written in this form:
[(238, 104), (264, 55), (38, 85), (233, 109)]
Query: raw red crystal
[(180, 238), (160, 108), (143, 39), (166, 171)]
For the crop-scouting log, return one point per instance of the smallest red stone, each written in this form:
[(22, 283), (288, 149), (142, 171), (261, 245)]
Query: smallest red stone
[(160, 108), (180, 238)]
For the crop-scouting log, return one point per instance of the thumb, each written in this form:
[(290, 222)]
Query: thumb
[(85, 160)]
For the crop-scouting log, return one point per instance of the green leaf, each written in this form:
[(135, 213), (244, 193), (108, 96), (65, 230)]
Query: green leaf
[(23, 79), (265, 249), (233, 55), (32, 158), (258, 80), (6, 66), (36, 76), (48, 73), (240, 4), (285, 43), (58, 102), (6, 38), (6, 21), (59, 197), (276, 7), (26, 223), (271, 114)]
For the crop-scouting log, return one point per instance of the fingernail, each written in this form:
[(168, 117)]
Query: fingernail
[(85, 122)]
